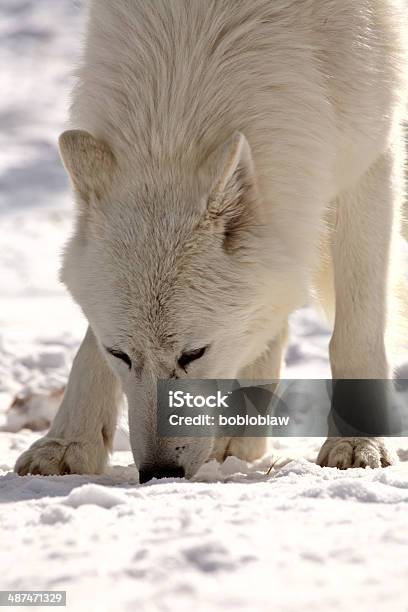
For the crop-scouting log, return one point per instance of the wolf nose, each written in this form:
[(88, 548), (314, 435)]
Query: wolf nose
[(160, 471)]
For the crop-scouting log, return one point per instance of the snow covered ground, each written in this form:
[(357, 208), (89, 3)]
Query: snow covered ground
[(233, 537)]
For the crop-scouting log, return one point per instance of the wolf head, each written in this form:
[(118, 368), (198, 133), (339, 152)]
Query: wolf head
[(166, 266)]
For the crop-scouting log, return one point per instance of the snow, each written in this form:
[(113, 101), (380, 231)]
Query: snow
[(234, 537)]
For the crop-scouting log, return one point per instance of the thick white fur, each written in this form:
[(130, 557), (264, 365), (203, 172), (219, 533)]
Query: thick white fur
[(283, 118)]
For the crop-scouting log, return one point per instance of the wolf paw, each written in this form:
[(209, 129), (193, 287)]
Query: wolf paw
[(50, 456), (345, 453)]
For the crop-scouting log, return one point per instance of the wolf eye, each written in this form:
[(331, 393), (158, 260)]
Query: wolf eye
[(189, 356), (120, 355)]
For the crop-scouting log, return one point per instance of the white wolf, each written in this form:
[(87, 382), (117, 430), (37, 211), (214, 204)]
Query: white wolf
[(227, 156)]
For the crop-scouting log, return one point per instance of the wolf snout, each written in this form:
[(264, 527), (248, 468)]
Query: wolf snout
[(160, 471)]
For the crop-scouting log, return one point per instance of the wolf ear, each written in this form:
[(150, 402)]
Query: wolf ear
[(89, 162), (233, 198)]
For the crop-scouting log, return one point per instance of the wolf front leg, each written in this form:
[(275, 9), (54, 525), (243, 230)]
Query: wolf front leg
[(81, 435), (367, 219), (267, 367)]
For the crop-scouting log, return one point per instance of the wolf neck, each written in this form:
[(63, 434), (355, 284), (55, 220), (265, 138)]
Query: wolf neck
[(163, 83)]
